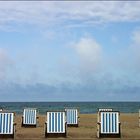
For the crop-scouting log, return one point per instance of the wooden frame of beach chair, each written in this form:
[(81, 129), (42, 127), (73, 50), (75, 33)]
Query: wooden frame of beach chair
[(108, 124), (29, 118), (56, 126), (7, 125), (72, 117), (139, 117)]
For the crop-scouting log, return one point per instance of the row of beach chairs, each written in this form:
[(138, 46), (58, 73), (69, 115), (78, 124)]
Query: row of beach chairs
[(108, 124)]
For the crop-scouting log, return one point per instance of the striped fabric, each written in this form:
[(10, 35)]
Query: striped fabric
[(105, 109), (55, 122), (72, 116), (6, 123), (110, 122), (29, 116)]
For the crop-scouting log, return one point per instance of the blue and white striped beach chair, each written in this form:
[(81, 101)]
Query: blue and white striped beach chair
[(108, 125), (7, 126), (29, 117), (72, 117), (55, 126)]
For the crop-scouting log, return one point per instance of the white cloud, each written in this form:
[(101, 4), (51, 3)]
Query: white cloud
[(67, 13), (89, 53)]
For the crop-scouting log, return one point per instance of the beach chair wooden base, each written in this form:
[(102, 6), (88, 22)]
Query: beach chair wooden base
[(108, 135), (72, 125), (29, 126), (55, 135), (6, 136)]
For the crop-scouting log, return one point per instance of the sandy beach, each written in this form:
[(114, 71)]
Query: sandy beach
[(87, 128)]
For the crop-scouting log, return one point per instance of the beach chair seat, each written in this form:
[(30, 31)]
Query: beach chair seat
[(108, 125), (29, 118), (72, 117), (7, 125), (55, 126)]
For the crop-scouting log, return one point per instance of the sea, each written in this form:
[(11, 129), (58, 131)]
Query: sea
[(84, 107)]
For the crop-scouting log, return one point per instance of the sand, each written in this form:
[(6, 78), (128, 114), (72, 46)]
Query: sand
[(87, 128)]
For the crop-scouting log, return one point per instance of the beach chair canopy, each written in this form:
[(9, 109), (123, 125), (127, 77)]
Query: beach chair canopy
[(56, 122), (109, 122), (29, 116), (72, 116), (6, 123)]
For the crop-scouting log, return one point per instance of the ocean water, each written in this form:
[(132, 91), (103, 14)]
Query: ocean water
[(84, 107)]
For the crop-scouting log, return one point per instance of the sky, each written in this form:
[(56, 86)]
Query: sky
[(69, 51)]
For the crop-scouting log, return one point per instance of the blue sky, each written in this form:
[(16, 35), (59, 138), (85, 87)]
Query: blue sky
[(70, 51)]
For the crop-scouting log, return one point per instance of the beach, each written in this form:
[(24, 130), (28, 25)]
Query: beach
[(82, 55), (87, 128)]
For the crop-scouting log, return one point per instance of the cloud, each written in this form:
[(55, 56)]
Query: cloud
[(85, 69), (28, 92), (81, 62), (68, 92), (114, 80), (89, 53), (108, 76), (70, 14)]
